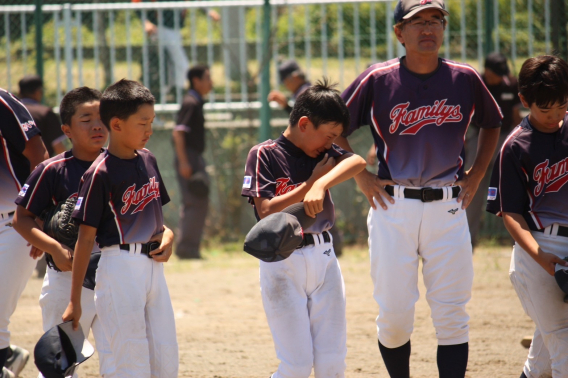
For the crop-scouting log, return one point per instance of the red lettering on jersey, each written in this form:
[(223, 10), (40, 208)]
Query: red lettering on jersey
[(416, 119), (282, 186), (28, 125), (141, 197), (553, 177)]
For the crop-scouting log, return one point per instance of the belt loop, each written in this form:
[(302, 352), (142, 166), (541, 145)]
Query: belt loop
[(554, 230), (447, 193), (399, 191)]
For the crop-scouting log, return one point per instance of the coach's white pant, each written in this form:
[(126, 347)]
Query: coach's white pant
[(398, 237), (135, 310), (543, 301), (53, 300), (171, 40), (16, 267), (304, 301)]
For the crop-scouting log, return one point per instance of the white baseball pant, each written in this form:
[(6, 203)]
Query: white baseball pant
[(304, 302), (438, 233), (53, 300), (542, 300), (171, 40), (16, 267), (136, 314)]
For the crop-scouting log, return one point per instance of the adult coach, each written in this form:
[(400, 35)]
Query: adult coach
[(22, 149), (294, 80), (419, 108), (189, 144)]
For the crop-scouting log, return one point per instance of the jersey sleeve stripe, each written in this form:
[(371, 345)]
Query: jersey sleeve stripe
[(478, 77), (91, 186), (509, 138), (15, 116), (118, 226), (258, 163), (9, 164), (379, 69), (378, 130), (37, 184)]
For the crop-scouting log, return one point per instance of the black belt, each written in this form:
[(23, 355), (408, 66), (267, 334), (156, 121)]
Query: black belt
[(145, 250), (562, 231), (309, 239), (425, 194)]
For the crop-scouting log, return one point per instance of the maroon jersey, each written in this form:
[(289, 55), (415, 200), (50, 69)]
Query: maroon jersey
[(530, 176), (122, 199), (418, 124), (16, 128), (276, 167)]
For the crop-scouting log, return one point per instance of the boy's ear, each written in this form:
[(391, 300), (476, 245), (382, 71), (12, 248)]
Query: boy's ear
[(524, 101), (66, 130), (115, 123), (303, 123)]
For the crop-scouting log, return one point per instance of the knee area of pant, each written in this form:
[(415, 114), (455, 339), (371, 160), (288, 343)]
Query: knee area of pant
[(395, 332), (296, 371)]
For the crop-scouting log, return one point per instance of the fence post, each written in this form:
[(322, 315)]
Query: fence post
[(265, 78), (488, 27), (38, 18)]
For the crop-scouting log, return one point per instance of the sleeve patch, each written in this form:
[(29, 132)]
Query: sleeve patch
[(23, 190), (492, 194), (247, 182), (79, 201)]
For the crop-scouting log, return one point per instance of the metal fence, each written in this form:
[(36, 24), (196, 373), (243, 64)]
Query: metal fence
[(96, 44)]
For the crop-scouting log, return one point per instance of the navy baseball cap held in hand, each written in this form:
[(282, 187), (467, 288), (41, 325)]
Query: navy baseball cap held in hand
[(278, 235), (408, 8), (60, 350)]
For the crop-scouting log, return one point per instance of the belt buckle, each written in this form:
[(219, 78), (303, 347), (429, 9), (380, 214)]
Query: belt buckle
[(427, 194)]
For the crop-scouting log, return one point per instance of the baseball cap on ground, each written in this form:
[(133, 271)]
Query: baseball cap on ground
[(287, 68), (497, 63), (408, 8), (276, 237), (60, 350)]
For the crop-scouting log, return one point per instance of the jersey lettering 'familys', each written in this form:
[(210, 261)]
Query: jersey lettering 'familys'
[(532, 169), (122, 198), (419, 125), (16, 128), (276, 167)]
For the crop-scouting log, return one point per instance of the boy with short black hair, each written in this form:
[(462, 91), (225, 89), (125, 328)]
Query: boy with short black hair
[(120, 203), (528, 189), (54, 181), (303, 295)]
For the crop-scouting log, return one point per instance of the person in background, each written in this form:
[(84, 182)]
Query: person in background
[(31, 95), (504, 88), (294, 79), (189, 144)]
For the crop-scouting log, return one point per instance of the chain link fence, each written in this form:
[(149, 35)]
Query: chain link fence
[(98, 43)]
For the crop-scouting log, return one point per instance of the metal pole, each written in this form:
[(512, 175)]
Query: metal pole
[(373, 35), (340, 52), (513, 31), (8, 48), (462, 31), (68, 46), (291, 52), (479, 35), (308, 39), (547, 26), (38, 18), (357, 37), (388, 35), (496, 24), (530, 6), (23, 37), (488, 26), (79, 48), (265, 110)]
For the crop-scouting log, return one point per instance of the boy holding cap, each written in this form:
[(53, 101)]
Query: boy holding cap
[(303, 295)]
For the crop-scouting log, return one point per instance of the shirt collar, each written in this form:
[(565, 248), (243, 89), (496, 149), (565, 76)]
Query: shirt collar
[(195, 94), (289, 147)]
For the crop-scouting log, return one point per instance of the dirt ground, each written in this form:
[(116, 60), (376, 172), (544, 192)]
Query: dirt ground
[(222, 329)]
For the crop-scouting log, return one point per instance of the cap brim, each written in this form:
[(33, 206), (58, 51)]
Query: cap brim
[(421, 8), (83, 348), (298, 211)]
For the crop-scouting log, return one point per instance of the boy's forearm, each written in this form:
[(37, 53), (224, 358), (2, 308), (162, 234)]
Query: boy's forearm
[(279, 203), (344, 170), (520, 232), (81, 259), (28, 228)]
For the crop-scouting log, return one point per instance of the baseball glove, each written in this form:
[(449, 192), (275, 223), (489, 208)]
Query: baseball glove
[(60, 225)]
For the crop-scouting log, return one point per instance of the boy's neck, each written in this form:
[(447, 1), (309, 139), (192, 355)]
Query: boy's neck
[(85, 155), (293, 135), (120, 150)]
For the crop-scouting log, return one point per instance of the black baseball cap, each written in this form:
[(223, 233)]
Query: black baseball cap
[(278, 235), (287, 68), (497, 63), (408, 8), (60, 350)]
